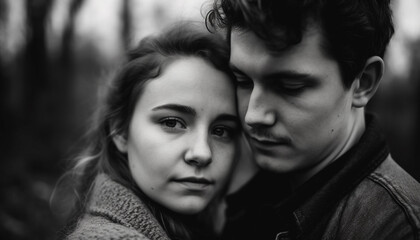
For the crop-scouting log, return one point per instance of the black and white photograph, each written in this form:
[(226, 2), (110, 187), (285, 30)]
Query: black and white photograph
[(210, 119)]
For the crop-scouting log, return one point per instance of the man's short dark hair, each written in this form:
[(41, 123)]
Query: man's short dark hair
[(353, 30)]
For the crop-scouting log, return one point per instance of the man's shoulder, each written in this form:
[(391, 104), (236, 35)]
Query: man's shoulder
[(96, 227), (386, 203), (390, 175), (399, 185), (389, 188)]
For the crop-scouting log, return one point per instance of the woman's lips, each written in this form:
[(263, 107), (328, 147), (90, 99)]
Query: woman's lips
[(194, 183)]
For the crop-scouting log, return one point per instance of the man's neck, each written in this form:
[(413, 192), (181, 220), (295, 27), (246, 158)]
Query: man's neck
[(355, 131)]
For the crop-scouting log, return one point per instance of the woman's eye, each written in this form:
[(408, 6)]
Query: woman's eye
[(172, 123), (243, 82), (222, 132)]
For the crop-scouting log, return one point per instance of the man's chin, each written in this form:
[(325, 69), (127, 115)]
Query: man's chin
[(273, 164)]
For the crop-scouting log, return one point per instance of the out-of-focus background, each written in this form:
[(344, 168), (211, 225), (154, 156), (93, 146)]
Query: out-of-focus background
[(54, 56)]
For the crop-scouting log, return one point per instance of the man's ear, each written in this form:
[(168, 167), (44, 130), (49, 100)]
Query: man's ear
[(367, 83), (120, 142)]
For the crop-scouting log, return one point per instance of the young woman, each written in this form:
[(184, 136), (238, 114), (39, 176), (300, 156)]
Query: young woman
[(164, 145)]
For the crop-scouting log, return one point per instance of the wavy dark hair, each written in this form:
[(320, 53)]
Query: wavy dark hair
[(353, 30), (143, 64)]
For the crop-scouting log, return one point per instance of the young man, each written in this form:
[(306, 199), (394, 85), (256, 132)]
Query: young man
[(305, 70)]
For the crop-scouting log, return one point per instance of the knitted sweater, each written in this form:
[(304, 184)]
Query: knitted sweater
[(115, 212)]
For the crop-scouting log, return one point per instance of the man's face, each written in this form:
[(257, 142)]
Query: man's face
[(293, 104)]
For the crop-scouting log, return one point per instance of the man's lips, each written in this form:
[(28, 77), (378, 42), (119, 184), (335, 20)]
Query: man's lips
[(268, 142)]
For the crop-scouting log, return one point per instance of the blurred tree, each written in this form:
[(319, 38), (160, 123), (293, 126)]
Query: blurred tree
[(126, 24), (25, 206), (414, 161), (35, 102)]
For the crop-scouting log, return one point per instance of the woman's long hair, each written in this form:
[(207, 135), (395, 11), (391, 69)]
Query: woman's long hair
[(143, 64)]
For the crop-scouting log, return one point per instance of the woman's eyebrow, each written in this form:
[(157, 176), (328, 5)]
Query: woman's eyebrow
[(227, 117), (177, 107)]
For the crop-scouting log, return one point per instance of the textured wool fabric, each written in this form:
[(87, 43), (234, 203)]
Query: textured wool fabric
[(115, 212)]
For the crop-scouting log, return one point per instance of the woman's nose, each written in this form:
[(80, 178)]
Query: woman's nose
[(199, 153)]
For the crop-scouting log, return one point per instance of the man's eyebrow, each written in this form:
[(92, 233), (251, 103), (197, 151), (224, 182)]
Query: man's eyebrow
[(288, 75), (283, 74), (177, 107)]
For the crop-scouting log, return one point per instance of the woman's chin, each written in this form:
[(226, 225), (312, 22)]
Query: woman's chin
[(190, 207)]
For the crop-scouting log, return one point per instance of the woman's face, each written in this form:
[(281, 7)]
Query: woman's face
[(182, 135)]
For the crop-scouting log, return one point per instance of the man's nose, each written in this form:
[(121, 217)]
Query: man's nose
[(259, 111), (199, 153)]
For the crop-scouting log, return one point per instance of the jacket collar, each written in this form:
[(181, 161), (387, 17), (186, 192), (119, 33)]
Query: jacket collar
[(314, 199), (117, 203)]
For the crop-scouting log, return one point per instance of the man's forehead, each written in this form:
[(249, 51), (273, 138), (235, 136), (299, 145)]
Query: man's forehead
[(250, 55), (247, 39), (247, 43), (277, 44)]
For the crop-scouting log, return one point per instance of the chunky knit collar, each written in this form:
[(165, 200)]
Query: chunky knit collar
[(111, 200)]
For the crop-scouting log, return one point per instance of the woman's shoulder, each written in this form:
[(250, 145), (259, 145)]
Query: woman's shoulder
[(115, 212), (97, 227)]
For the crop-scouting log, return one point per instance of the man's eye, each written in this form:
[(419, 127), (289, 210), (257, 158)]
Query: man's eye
[(294, 87), (291, 89), (172, 123)]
